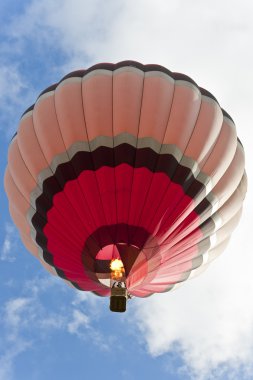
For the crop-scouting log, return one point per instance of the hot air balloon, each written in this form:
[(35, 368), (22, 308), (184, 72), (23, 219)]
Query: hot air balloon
[(125, 179)]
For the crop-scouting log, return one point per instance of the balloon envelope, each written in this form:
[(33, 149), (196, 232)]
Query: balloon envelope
[(130, 162)]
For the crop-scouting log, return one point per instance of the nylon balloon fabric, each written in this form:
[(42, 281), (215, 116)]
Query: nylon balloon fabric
[(125, 161)]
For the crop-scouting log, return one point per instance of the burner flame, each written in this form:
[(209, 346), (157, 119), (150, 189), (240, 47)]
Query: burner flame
[(117, 269)]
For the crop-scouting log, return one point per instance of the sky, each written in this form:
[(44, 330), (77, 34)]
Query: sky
[(204, 329)]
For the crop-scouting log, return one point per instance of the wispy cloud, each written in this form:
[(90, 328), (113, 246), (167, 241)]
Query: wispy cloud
[(14, 90), (13, 311), (14, 316), (28, 319), (8, 358), (78, 322), (9, 245)]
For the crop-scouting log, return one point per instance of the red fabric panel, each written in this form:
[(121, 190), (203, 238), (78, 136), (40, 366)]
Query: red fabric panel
[(92, 197)]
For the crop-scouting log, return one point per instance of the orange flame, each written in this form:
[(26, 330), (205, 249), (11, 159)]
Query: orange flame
[(117, 269)]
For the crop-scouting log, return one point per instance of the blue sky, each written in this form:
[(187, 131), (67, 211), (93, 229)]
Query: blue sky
[(202, 331)]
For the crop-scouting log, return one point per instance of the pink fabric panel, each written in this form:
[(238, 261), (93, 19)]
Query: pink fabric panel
[(30, 245), (183, 115), (127, 100), (31, 153), (173, 218), (14, 195), (189, 241), (47, 128), (108, 253), (18, 209), (50, 269), (222, 153), (69, 109), (19, 219), (206, 130), (18, 169), (157, 98), (188, 225), (146, 265), (172, 260), (226, 230), (232, 177), (232, 205), (138, 272), (97, 104)]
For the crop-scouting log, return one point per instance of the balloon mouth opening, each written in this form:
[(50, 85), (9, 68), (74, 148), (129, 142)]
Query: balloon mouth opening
[(118, 299)]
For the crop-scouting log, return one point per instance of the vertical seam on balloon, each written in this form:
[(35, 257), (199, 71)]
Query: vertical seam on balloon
[(134, 160), (72, 166), (94, 172), (134, 165), (114, 166)]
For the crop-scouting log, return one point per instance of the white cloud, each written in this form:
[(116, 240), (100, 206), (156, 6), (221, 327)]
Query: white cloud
[(28, 320), (13, 310), (9, 244), (184, 36), (90, 303), (85, 297), (11, 84), (79, 321), (80, 324), (15, 317), (7, 359), (13, 95), (40, 284)]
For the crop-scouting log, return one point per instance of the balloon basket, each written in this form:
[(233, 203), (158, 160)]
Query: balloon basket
[(118, 299)]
